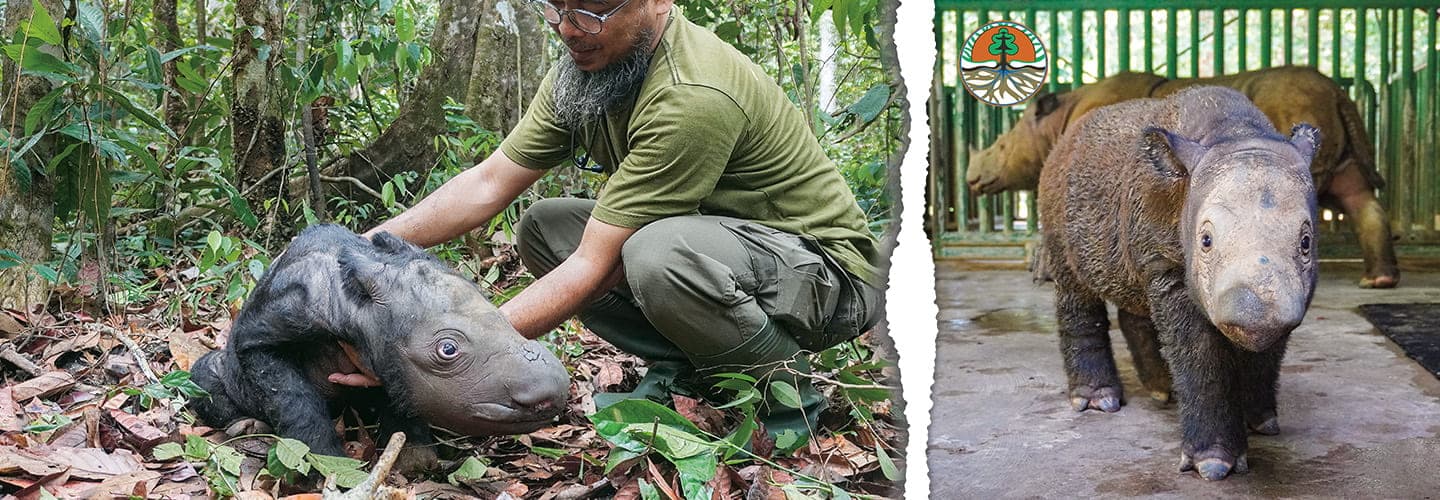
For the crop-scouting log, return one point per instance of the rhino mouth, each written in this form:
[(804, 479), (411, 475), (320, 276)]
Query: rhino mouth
[(1254, 340), (499, 418), (985, 185)]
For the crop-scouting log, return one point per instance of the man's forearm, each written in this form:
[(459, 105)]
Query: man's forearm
[(445, 214), (559, 295)]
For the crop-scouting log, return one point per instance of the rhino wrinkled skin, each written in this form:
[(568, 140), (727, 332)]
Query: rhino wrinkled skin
[(1197, 220)]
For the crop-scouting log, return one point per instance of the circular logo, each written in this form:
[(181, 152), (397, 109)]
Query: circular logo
[(1003, 63)]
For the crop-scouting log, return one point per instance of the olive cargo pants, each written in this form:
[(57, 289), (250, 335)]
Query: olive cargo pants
[(723, 294)]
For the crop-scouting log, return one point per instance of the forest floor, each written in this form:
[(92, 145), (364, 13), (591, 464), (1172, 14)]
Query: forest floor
[(91, 406)]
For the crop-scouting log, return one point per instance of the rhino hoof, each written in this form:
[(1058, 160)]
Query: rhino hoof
[(1379, 282), (1214, 468), (1106, 399), (1269, 427)]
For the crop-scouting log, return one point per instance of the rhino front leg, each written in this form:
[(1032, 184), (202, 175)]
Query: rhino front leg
[(1203, 365), (289, 400), (1144, 342), (1256, 385), (1357, 199), (1085, 346)]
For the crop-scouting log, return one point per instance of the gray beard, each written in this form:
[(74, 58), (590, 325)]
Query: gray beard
[(581, 97)]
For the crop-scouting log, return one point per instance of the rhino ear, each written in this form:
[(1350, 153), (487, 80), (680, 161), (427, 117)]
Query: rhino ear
[(361, 276), (1306, 140), (1170, 154), (1045, 104)]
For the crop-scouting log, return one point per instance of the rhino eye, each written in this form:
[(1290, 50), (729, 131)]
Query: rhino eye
[(447, 349), (1205, 241), (1305, 244)]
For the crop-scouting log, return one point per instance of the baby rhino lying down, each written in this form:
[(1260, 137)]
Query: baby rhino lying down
[(444, 354)]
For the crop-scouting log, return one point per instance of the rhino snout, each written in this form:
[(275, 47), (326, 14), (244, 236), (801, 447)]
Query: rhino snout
[(1255, 322), (540, 385)]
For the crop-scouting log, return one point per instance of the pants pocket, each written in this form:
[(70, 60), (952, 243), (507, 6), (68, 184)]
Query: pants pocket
[(798, 286)]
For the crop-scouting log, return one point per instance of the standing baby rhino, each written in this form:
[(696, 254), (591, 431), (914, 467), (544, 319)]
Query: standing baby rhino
[(1196, 219), (445, 354)]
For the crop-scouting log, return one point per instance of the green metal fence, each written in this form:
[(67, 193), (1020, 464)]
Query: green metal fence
[(1382, 52)]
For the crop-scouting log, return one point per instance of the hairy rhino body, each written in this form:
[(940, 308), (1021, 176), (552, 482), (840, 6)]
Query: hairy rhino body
[(1343, 169), (443, 352), (1196, 219)]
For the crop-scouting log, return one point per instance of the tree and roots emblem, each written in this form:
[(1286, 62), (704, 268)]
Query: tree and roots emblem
[(1003, 63)]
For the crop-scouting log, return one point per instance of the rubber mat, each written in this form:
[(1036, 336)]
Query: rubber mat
[(1414, 327)]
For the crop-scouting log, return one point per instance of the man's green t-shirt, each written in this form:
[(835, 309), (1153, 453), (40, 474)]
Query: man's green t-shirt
[(709, 133)]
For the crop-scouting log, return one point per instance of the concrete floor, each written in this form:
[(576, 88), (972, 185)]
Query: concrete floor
[(1358, 419)]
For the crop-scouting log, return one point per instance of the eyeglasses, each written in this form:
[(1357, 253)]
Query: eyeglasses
[(584, 20)]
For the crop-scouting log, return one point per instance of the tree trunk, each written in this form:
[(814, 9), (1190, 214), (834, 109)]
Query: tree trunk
[(202, 22), (406, 144), (257, 131), (509, 64), (27, 209), (167, 31)]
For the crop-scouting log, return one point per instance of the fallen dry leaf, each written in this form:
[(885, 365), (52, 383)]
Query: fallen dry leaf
[(46, 384), (145, 435), (705, 417), (9, 422), (8, 326), (253, 495), (184, 349), (131, 484), (609, 376)]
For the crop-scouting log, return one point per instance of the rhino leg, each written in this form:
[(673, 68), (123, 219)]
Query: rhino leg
[(1085, 346), (1256, 385), (1144, 343), (288, 399), (1204, 367), (418, 455), (1356, 198)]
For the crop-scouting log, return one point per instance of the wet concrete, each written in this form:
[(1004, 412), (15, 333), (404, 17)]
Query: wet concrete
[(1358, 419)]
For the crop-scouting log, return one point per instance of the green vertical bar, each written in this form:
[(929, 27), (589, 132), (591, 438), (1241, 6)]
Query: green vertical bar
[(1385, 117), (1194, 43), (1077, 48), (1335, 43), (1100, 36), (1289, 36), (1218, 36), (1149, 43), (1312, 36), (1267, 36), (1408, 132), (1426, 189), (964, 125), (1055, 50), (1360, 67), (1124, 47), (1242, 42), (1170, 55)]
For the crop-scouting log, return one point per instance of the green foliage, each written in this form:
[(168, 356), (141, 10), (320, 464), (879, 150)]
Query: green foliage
[(287, 460), (174, 386)]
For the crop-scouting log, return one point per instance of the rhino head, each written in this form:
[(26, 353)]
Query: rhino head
[(1247, 228), (447, 354)]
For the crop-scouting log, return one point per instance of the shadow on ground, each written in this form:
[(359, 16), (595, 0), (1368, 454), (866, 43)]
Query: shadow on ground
[(1358, 419)]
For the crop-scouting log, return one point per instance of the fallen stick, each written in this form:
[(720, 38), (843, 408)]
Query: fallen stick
[(8, 353), (373, 485)]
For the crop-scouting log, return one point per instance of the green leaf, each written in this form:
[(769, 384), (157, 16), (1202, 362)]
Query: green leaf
[(41, 25), (41, 110), (32, 60), (167, 451), (9, 259), (695, 472), (47, 272), (787, 439), (213, 240), (785, 393), (618, 456), (471, 469), (291, 453), (872, 103), (327, 464), (91, 21), (404, 25), (547, 452), (169, 56), (887, 466), (145, 116), (228, 459), (648, 491)]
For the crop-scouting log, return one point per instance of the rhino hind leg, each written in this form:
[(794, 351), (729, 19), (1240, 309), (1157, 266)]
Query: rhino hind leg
[(211, 372), (1356, 198), (1144, 342)]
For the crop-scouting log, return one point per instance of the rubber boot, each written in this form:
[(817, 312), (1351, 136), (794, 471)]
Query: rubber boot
[(768, 356), (620, 323)]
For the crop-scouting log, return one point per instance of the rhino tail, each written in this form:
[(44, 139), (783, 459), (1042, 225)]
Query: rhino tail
[(1357, 141)]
